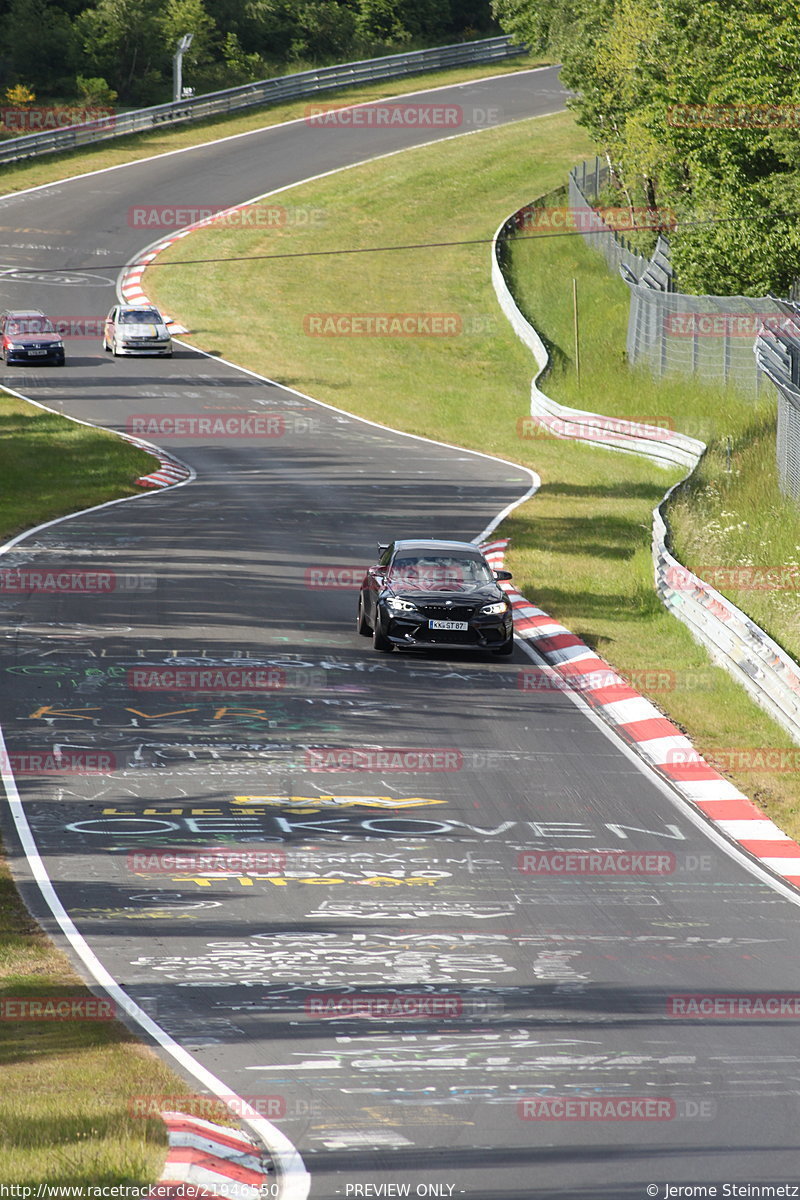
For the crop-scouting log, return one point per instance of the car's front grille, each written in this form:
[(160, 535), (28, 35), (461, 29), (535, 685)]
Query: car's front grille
[(443, 612)]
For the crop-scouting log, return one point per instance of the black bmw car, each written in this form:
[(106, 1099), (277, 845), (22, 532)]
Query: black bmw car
[(431, 593)]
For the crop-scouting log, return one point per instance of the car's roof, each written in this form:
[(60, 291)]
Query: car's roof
[(138, 308), (23, 312), (429, 544)]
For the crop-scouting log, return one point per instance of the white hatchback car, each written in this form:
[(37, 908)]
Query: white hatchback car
[(136, 329)]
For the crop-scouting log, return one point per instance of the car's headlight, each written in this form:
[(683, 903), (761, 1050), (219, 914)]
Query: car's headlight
[(16, 345), (57, 345), (397, 605), (492, 610)]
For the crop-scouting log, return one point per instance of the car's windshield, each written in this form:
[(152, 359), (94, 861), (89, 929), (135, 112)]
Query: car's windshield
[(139, 316), (433, 571), (22, 325)]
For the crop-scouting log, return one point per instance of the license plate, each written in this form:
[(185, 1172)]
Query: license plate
[(458, 625), (31, 352)]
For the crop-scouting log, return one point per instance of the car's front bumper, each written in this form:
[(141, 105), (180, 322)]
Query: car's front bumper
[(133, 348), (482, 633), (25, 355)]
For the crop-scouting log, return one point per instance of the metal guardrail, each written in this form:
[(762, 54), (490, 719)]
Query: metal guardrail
[(252, 95), (734, 642), (664, 447)]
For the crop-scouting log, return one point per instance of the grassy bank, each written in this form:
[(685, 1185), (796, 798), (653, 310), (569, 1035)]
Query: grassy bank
[(51, 466), (15, 177), (581, 548), (67, 1085)]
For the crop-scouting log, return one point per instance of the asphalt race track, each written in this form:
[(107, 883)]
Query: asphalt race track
[(412, 981)]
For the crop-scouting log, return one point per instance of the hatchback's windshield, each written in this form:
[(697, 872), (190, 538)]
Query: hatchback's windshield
[(29, 325), (141, 316)]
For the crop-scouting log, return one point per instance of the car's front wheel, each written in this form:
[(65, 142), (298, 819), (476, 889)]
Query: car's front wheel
[(379, 639), (506, 648), (364, 627)]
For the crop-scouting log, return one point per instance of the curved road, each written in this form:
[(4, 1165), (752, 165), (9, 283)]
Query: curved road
[(494, 993)]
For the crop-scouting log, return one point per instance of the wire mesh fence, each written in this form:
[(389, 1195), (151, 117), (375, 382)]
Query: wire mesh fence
[(670, 331), (777, 355)]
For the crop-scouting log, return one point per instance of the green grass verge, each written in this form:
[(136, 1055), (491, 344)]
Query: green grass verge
[(581, 548), (64, 1103), (51, 466), (15, 177)]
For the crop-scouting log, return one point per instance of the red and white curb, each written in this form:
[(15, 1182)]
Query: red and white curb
[(649, 732), (213, 1159), (170, 470)]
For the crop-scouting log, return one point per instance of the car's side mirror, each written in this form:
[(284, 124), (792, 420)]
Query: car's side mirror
[(382, 549), (502, 575)]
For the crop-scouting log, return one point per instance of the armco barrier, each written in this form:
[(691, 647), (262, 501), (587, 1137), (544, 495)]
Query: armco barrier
[(664, 447), (735, 642), (253, 95)]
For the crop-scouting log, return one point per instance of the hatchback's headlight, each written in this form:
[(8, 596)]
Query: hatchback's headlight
[(397, 605), (493, 610)]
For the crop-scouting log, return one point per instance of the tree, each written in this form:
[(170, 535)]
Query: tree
[(636, 65), (189, 16), (41, 45), (123, 43)]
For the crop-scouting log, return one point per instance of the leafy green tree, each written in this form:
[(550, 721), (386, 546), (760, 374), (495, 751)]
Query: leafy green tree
[(378, 23), (325, 30), (123, 42), (41, 43), (95, 91), (189, 16), (635, 65)]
